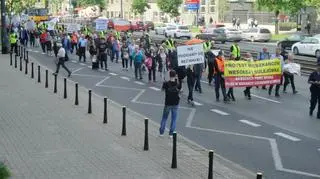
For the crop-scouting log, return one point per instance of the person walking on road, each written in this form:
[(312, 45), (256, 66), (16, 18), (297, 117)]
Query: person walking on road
[(125, 51), (264, 55), (219, 77), (13, 41), (211, 57), (247, 91), (314, 80), (61, 62), (235, 50), (280, 57), (230, 94), (198, 69), (102, 55), (190, 83), (82, 48), (288, 76), (138, 58), (172, 100)]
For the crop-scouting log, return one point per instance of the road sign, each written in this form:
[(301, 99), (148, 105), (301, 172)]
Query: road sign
[(193, 6)]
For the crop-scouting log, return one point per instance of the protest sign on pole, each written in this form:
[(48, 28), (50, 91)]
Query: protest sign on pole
[(256, 73), (190, 54), (101, 24), (73, 28), (50, 25)]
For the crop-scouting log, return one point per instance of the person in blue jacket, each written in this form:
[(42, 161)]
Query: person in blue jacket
[(66, 44)]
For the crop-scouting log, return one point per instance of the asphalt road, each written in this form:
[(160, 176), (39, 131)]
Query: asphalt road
[(268, 134)]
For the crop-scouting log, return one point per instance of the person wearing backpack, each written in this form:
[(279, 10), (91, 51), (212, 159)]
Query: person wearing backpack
[(172, 100), (211, 57), (150, 63), (138, 58)]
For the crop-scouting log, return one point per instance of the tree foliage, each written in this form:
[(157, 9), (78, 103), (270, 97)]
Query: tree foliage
[(18, 6), (140, 6), (170, 7), (314, 3), (86, 3)]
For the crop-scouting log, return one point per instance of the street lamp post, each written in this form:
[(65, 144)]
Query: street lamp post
[(121, 8), (4, 36)]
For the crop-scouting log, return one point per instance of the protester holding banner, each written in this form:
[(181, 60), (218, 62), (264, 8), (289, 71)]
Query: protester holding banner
[(314, 80), (289, 70), (247, 92), (230, 94), (190, 83), (219, 77), (277, 55)]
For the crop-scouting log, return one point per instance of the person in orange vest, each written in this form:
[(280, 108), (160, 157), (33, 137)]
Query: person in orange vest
[(230, 94), (74, 42), (219, 78)]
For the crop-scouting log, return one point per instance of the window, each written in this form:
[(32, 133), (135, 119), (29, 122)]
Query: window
[(315, 41), (307, 40), (183, 27), (212, 2), (265, 31), (108, 15), (111, 13), (111, 1), (212, 9), (155, 14), (203, 2), (203, 9)]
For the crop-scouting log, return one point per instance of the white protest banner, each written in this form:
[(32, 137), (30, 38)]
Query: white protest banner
[(73, 28), (101, 24), (190, 54), (50, 25), (30, 25), (292, 68)]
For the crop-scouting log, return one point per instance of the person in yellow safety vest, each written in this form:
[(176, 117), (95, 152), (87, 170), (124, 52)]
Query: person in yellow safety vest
[(170, 44), (235, 50), (101, 34), (13, 38), (207, 45), (117, 34)]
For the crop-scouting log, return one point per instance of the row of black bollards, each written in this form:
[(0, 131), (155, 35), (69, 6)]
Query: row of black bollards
[(23, 53)]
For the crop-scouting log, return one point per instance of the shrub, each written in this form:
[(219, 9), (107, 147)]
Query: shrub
[(287, 26), (4, 171)]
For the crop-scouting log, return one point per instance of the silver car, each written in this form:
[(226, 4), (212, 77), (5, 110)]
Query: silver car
[(256, 34)]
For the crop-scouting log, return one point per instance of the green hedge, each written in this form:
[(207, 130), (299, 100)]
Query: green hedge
[(4, 171), (287, 26)]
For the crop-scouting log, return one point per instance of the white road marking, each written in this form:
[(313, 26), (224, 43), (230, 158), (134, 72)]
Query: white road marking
[(89, 66), (77, 70), (36, 51), (85, 75), (289, 137), (74, 61), (83, 64), (139, 83), (250, 123), (125, 78), (155, 88), (271, 100), (113, 74), (100, 82), (197, 104), (101, 70), (220, 112), (319, 149)]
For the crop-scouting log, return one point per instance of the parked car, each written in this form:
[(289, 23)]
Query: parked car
[(119, 24), (256, 34), (289, 41), (308, 46), (149, 25), (162, 28), (222, 35), (178, 31), (210, 27), (137, 26)]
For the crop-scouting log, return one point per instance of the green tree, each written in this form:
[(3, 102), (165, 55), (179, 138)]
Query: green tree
[(18, 6), (222, 9), (277, 6), (85, 3), (140, 6), (314, 3), (170, 7)]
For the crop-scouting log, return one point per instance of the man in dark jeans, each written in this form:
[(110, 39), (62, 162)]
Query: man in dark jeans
[(102, 55), (82, 48), (190, 83), (172, 100), (61, 56)]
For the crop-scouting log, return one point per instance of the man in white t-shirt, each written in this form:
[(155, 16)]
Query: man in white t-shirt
[(61, 56)]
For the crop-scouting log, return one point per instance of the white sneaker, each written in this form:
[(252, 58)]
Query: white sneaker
[(161, 135)]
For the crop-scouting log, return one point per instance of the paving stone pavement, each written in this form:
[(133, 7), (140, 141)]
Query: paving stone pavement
[(43, 135)]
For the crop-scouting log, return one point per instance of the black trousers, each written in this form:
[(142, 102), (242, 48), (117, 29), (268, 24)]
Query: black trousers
[(190, 83), (125, 62), (219, 83), (315, 99), (210, 72), (151, 74), (247, 91), (288, 78), (137, 68), (14, 47), (61, 63), (230, 93), (103, 60), (43, 47), (82, 53), (277, 87)]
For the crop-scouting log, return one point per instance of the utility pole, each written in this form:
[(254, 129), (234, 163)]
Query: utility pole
[(121, 8), (4, 36)]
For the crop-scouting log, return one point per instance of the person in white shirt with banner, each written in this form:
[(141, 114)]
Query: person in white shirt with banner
[(289, 70)]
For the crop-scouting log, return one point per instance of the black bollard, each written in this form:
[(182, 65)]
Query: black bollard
[(24, 54), (28, 56), (146, 138), (26, 68), (76, 102), (15, 61), (105, 111), (210, 172), (89, 106), (65, 88), (124, 126), (39, 79), (10, 58), (259, 175), (55, 84), (18, 50), (32, 70), (46, 82), (20, 64), (174, 151)]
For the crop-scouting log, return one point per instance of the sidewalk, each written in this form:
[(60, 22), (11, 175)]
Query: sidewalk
[(43, 135)]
